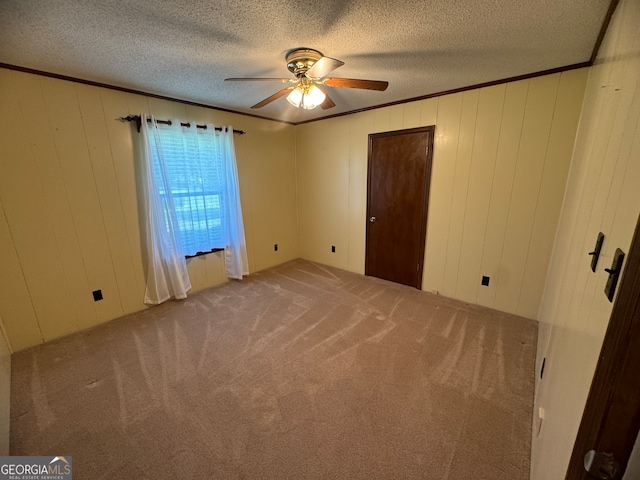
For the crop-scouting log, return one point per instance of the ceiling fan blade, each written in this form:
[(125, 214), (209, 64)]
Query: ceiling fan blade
[(283, 80), (355, 83), (328, 103), (323, 66), (273, 97)]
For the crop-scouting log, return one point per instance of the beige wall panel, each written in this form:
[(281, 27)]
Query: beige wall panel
[(179, 110), (71, 275), (281, 167), (561, 140), (323, 190), (626, 166), (46, 156), (526, 187), (71, 144), (268, 174), (483, 161), (199, 115), (382, 120), (260, 211), (411, 115), (95, 127), (226, 118), (624, 95), (628, 199), (265, 169), (133, 104), (502, 186), (215, 270), (579, 285), (565, 257), (97, 118), (441, 191), (160, 108), (29, 222), (5, 391), (396, 117), (601, 195), (460, 190), (197, 273), (360, 126), (428, 111), (21, 325)]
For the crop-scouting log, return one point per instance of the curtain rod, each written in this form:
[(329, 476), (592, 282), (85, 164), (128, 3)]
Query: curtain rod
[(138, 120)]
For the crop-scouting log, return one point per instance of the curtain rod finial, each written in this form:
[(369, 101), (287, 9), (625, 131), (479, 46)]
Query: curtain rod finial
[(130, 118)]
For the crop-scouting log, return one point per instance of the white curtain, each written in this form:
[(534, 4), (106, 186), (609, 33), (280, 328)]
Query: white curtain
[(235, 252), (167, 275), (193, 203)]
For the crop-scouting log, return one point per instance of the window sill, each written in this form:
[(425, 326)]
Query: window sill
[(199, 254)]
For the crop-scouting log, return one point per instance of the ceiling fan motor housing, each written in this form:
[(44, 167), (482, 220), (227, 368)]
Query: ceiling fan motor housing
[(302, 59)]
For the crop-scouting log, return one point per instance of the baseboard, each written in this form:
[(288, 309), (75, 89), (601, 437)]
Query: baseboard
[(5, 391)]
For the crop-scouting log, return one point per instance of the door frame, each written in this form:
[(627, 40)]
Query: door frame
[(430, 130), (611, 418)]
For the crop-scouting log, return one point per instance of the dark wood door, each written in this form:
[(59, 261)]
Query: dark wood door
[(397, 198), (611, 418)]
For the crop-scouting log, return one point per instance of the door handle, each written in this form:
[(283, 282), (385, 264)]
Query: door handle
[(596, 251), (614, 273), (372, 219), (601, 465)]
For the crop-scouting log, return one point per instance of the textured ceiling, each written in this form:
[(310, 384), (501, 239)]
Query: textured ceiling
[(184, 49)]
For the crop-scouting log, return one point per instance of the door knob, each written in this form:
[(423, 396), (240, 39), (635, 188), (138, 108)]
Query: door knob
[(372, 219), (601, 465)]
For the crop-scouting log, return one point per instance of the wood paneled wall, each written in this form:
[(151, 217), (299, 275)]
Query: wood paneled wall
[(69, 219), (500, 164), (5, 390), (602, 195), (70, 222)]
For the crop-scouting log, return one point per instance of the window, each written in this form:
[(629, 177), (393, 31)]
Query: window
[(194, 172), (191, 199)]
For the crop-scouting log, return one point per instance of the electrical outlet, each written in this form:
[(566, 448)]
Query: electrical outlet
[(275, 247), (97, 295), (485, 280), (333, 249)]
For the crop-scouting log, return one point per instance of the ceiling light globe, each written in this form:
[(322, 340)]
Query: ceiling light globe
[(295, 97), (312, 97)]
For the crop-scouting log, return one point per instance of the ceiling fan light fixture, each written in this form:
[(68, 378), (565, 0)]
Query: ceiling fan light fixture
[(310, 67), (312, 97), (306, 96), (295, 97)]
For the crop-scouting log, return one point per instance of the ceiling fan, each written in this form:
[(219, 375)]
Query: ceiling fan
[(310, 68)]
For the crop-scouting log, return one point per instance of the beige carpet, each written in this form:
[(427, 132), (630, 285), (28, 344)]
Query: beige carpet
[(300, 371)]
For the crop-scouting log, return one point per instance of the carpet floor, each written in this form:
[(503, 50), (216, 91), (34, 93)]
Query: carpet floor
[(301, 371)]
